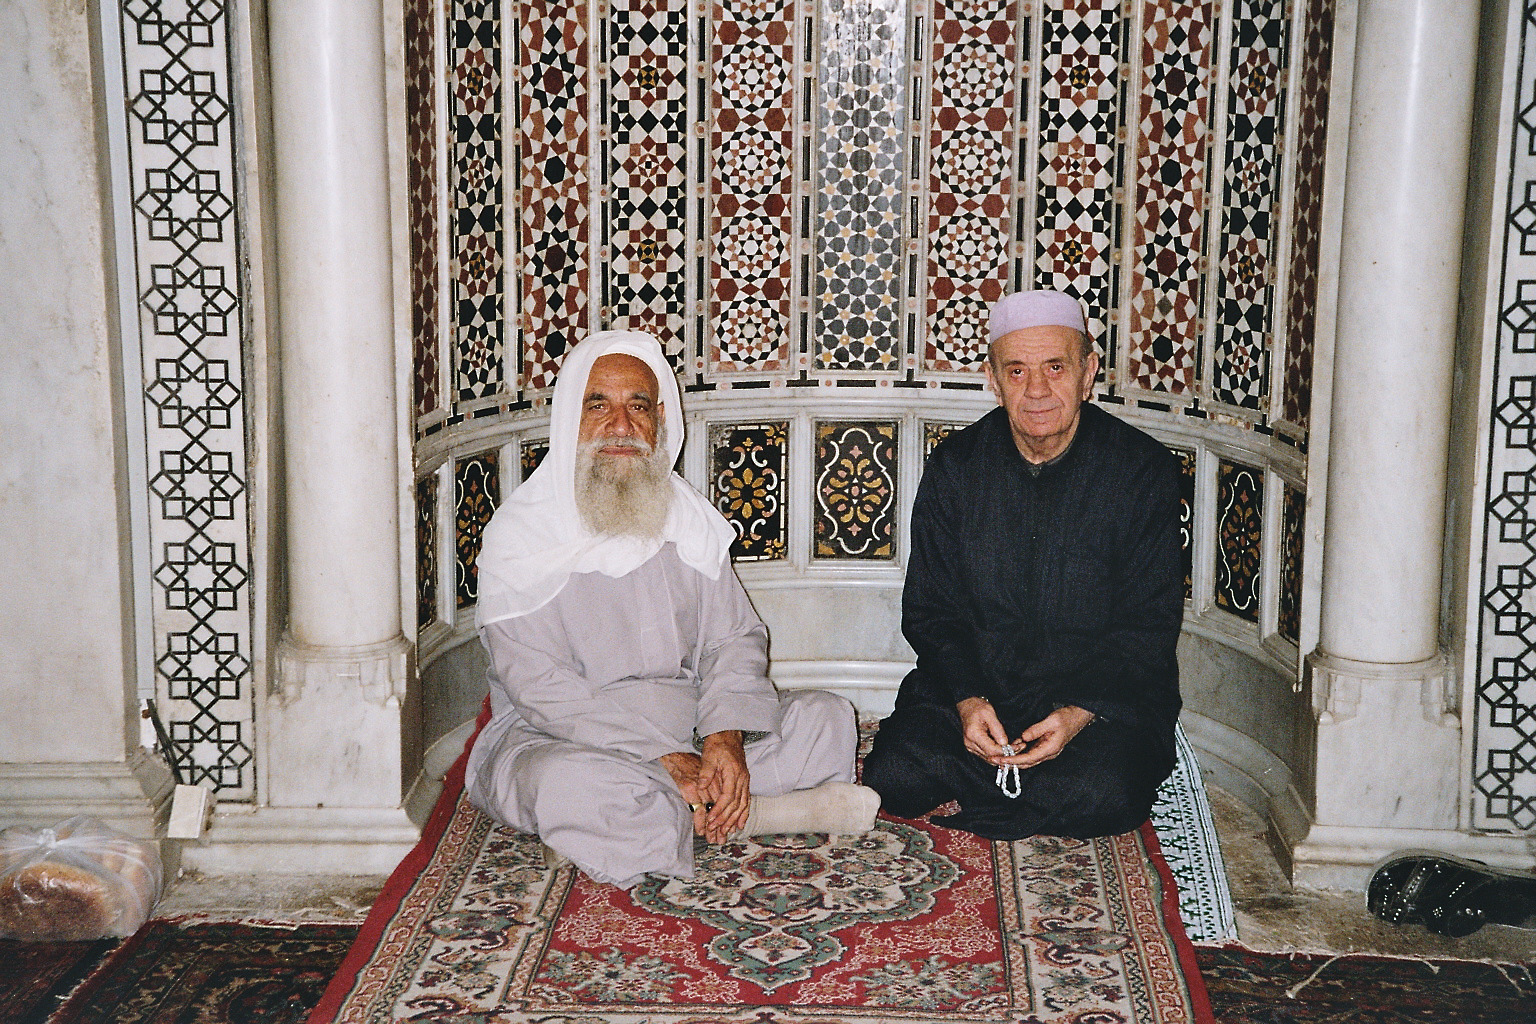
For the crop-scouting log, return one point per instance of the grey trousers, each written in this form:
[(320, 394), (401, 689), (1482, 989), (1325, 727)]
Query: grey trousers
[(619, 819)]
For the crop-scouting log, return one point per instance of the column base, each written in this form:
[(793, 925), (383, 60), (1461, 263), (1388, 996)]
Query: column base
[(1388, 744), (132, 795), (335, 733), (303, 841), (1343, 856)]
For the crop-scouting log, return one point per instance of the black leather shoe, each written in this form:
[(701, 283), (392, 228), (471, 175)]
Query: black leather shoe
[(1450, 895)]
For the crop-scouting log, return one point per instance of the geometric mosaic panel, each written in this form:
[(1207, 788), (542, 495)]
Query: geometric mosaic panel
[(1239, 537), (861, 134), (647, 55), (1310, 136), (1293, 522), (970, 179), (476, 493), (1187, 515), (1244, 309), (752, 146), (553, 127), (1168, 188), (855, 487), (426, 551), (1077, 217), (181, 153), (1504, 713), (476, 235), (748, 483), (421, 213)]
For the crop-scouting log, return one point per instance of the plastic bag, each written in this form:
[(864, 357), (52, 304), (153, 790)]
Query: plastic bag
[(81, 879)]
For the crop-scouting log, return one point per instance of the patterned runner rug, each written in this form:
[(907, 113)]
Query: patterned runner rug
[(1187, 835), (909, 923)]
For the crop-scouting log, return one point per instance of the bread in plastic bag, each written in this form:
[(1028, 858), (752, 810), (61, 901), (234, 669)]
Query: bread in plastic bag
[(81, 879)]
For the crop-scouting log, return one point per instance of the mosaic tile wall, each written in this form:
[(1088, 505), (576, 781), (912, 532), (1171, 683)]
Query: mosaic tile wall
[(181, 151), (822, 192), (1504, 722), (825, 194)]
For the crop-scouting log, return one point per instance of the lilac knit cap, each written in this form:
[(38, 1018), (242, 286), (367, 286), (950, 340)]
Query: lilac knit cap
[(1036, 309)]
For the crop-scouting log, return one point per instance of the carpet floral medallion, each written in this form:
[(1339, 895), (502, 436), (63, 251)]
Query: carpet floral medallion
[(910, 922)]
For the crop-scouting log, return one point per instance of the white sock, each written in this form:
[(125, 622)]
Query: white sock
[(836, 808)]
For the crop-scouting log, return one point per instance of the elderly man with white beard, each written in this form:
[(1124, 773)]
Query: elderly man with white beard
[(631, 706)]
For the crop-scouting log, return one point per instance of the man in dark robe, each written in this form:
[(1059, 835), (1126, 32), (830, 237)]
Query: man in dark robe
[(1044, 599)]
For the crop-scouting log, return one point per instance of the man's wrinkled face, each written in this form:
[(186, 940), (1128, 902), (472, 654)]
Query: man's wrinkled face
[(620, 410), (1041, 377)]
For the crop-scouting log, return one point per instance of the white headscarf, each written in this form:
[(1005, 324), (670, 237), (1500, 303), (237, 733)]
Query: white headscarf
[(537, 539)]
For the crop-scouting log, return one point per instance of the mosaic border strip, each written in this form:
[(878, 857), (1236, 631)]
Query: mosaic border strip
[(421, 70), (181, 151)]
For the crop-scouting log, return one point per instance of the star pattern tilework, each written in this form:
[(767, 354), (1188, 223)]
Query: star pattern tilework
[(421, 165), (1077, 217), (752, 224), (970, 175), (1311, 140), (1168, 187), (1244, 309), (647, 172), (476, 234), (859, 243), (555, 240)]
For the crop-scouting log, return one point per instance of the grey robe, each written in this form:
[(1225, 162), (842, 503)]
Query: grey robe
[(589, 690)]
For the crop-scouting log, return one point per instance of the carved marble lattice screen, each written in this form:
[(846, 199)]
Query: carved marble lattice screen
[(1504, 712), (179, 139), (813, 201)]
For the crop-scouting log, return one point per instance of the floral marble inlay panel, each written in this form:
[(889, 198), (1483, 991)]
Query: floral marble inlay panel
[(426, 551), (1293, 523), (747, 483), (476, 493), (1239, 538), (855, 490)]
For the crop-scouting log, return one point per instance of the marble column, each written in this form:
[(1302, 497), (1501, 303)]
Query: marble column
[(1388, 741), (335, 727)]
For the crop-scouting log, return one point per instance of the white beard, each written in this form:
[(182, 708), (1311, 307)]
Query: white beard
[(621, 495)]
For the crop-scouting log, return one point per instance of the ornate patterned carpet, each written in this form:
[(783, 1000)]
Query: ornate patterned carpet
[(909, 923)]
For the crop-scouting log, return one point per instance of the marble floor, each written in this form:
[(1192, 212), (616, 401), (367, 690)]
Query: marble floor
[(1272, 914)]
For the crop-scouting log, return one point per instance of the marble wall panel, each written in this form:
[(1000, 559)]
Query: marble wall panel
[(1293, 522)]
